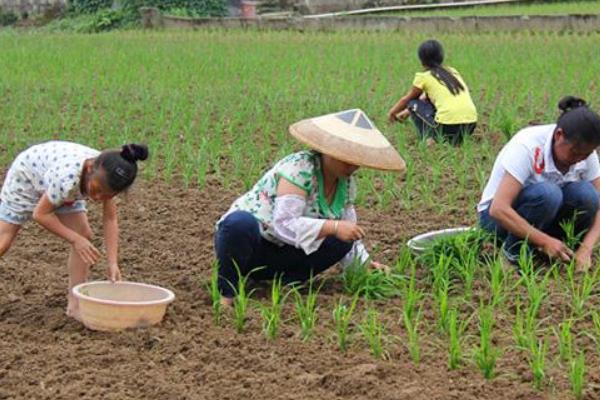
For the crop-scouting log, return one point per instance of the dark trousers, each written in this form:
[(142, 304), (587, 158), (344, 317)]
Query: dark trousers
[(238, 242), (423, 112), (545, 205)]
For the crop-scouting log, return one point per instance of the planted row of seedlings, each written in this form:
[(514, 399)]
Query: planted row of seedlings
[(180, 87), (469, 294)]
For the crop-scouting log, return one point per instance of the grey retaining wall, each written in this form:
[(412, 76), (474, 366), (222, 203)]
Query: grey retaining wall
[(569, 23)]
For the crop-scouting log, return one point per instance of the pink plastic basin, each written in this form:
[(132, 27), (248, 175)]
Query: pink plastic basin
[(107, 306)]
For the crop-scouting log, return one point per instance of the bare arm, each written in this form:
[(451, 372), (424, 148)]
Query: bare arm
[(501, 210), (412, 94), (344, 230), (44, 215), (111, 231), (583, 256)]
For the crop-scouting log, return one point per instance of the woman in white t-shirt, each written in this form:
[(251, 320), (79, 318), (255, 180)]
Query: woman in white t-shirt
[(49, 182), (543, 176)]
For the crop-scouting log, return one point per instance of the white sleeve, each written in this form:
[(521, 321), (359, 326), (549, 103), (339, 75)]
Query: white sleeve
[(358, 251), (292, 228), (593, 167), (518, 161)]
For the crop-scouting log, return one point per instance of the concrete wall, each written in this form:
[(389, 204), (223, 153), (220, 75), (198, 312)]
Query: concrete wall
[(30, 6), (570, 23), (324, 6)]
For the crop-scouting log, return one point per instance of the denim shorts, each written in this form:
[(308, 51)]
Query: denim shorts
[(10, 215)]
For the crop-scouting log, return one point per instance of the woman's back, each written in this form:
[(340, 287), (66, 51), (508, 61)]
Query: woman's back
[(451, 108)]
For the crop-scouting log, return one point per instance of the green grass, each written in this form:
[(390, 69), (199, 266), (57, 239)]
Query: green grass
[(217, 104), (525, 8)]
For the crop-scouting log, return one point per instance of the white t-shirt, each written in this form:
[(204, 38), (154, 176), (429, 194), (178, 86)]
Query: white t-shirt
[(528, 158), (52, 167)]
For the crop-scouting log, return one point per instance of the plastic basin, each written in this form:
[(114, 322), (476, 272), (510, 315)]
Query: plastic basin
[(107, 306), (421, 242)]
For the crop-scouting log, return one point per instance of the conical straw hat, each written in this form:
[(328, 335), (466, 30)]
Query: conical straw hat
[(351, 137)]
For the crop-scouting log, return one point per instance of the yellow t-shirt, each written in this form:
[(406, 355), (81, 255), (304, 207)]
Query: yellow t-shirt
[(451, 109)]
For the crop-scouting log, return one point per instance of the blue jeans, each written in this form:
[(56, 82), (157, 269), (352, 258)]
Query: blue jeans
[(545, 205), (423, 112), (238, 241)]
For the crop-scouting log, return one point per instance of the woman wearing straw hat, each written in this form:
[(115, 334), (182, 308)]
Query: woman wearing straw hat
[(299, 218)]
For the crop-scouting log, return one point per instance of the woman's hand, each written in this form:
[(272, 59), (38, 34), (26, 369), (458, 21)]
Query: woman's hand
[(348, 231), (392, 117), (403, 115), (557, 249), (86, 250), (380, 267), (583, 258), (113, 273)]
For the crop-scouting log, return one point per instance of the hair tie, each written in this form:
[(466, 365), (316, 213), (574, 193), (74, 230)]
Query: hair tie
[(121, 172)]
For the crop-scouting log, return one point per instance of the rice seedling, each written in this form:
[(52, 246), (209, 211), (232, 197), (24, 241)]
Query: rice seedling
[(596, 329), (537, 361), (342, 316), (486, 354), (522, 328), (497, 281), (357, 279), (577, 375), (215, 294), (535, 282), (572, 238), (580, 290), (373, 332), (241, 301), (412, 320), (412, 296), (272, 313), (565, 340), (463, 252), (456, 330), (441, 289), (306, 310)]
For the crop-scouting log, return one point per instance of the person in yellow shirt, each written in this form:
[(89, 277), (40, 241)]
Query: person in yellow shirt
[(439, 101)]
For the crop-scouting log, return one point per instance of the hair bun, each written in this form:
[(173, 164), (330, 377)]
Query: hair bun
[(569, 103), (133, 152)]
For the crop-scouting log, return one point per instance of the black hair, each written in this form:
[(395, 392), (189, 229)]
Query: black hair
[(431, 54), (578, 122), (120, 166)]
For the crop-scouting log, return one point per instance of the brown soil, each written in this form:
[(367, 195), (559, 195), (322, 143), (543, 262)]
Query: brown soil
[(167, 240)]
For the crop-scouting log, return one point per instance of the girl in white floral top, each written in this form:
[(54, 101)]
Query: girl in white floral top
[(49, 182), (299, 218)]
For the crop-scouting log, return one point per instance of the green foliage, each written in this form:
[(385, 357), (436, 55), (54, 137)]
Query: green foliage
[(101, 21), (88, 6), (195, 8), (7, 18), (107, 20), (215, 294), (486, 354), (577, 375), (357, 279), (537, 361), (306, 310), (456, 330), (205, 8), (342, 316), (373, 331), (458, 256), (272, 313)]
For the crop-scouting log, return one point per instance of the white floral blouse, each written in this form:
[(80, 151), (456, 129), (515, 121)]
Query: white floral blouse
[(302, 169)]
